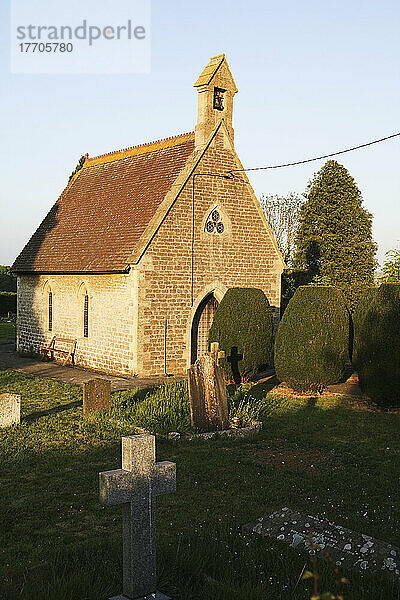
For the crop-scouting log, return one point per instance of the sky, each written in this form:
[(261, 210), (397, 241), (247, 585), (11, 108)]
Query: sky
[(313, 78)]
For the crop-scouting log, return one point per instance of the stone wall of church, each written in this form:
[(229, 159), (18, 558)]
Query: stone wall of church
[(244, 255), (112, 313)]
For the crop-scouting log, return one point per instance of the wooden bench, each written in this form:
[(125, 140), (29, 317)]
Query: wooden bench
[(60, 345)]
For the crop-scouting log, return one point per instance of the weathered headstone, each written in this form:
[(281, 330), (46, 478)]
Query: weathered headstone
[(96, 395), (344, 547), (10, 409), (136, 487), (207, 392)]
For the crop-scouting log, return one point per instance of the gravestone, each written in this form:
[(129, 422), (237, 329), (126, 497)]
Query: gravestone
[(344, 547), (136, 487), (10, 409), (96, 396), (207, 392)]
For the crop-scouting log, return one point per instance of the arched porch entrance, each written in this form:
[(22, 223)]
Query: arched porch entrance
[(202, 322)]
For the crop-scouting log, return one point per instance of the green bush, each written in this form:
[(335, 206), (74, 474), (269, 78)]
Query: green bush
[(379, 347), (291, 279), (8, 281), (311, 347), (8, 303), (362, 302), (243, 326)]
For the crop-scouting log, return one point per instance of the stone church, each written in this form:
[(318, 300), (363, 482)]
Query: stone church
[(134, 257)]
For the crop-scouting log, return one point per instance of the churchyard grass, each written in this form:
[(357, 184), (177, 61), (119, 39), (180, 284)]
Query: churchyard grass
[(318, 455), (7, 332)]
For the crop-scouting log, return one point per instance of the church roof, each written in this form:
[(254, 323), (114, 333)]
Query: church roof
[(102, 213)]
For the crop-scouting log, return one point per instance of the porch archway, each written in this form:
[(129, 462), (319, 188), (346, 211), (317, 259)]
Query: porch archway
[(201, 324)]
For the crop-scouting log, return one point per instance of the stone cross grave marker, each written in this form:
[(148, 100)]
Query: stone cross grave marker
[(136, 487), (234, 359), (207, 392), (346, 548), (10, 409), (96, 395)]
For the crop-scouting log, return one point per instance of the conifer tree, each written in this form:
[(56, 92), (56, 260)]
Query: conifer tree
[(334, 239)]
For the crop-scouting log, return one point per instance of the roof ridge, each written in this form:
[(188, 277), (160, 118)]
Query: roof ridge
[(138, 149)]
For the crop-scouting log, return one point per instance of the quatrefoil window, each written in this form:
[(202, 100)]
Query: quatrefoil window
[(214, 223)]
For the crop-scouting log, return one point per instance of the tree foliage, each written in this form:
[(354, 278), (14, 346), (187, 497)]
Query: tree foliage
[(363, 298), (391, 267), (283, 214), (78, 166), (334, 238), (8, 281), (292, 279), (8, 303), (379, 347), (311, 346), (243, 326)]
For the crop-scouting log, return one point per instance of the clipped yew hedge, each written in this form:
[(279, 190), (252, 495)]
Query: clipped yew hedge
[(311, 347), (243, 325), (8, 303), (362, 302), (378, 360)]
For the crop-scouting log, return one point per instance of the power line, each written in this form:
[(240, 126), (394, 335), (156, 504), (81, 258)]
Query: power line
[(308, 160)]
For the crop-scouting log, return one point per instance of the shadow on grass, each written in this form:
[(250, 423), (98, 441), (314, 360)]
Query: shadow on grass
[(261, 389), (125, 398), (258, 390), (311, 402), (50, 411)]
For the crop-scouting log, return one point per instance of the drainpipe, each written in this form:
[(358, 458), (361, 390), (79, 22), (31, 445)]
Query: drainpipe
[(165, 347)]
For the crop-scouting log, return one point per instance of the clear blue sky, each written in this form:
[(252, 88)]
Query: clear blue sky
[(313, 77)]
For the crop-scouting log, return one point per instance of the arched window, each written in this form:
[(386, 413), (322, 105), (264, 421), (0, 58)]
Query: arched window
[(86, 316), (50, 311)]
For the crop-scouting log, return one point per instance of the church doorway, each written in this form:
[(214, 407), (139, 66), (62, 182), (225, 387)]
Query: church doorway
[(202, 322)]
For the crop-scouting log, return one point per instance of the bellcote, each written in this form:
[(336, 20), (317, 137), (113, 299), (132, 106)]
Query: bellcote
[(216, 89)]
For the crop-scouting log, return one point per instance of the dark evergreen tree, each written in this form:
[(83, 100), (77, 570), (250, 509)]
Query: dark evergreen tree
[(312, 343), (243, 326), (8, 281), (362, 299), (334, 239), (378, 357)]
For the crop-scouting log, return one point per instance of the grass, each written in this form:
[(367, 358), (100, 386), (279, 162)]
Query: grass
[(7, 332), (315, 455), (167, 408)]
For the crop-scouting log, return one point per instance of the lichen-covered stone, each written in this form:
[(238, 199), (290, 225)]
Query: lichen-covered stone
[(344, 547)]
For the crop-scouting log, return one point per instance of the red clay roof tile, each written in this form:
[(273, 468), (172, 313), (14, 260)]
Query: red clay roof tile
[(99, 218)]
